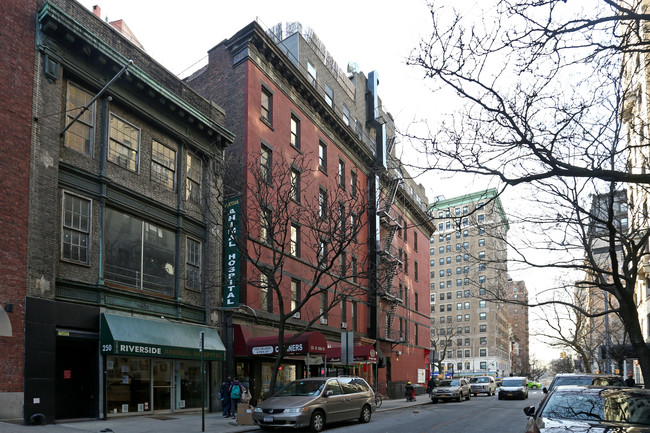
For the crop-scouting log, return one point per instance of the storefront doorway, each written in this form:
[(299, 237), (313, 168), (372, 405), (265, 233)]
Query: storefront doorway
[(162, 385)]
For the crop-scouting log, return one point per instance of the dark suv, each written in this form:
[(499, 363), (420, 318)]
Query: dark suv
[(585, 379)]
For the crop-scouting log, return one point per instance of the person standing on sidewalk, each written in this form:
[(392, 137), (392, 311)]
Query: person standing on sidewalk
[(236, 391), (225, 397), (431, 384)]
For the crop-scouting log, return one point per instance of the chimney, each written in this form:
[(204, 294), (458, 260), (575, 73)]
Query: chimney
[(97, 11)]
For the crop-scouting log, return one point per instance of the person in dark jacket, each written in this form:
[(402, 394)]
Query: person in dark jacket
[(431, 384), (409, 392), (630, 380), (224, 392), (236, 391)]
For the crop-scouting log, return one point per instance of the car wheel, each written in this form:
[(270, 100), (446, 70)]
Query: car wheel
[(469, 395), (460, 397), (317, 422), (500, 398), (365, 414), (534, 386), (475, 394), (434, 400)]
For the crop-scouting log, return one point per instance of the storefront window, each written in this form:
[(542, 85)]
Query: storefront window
[(128, 383), (189, 384), (286, 374)]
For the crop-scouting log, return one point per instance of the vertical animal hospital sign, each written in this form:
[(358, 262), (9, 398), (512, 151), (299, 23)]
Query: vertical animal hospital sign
[(232, 254)]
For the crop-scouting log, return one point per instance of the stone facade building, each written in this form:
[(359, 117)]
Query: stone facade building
[(468, 265), (123, 240)]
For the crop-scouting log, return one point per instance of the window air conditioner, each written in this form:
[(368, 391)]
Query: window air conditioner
[(296, 315), (344, 325), (323, 321)]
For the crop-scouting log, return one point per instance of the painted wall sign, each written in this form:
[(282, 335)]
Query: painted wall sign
[(232, 254)]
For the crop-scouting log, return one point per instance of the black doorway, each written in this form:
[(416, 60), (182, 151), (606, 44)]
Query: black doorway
[(77, 378)]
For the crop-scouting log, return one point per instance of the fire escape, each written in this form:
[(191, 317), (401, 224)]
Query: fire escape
[(391, 260)]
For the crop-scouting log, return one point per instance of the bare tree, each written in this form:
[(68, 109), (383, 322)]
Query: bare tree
[(294, 225), (537, 369), (543, 109)]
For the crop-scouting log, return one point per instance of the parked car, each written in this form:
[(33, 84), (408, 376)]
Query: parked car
[(499, 381), (585, 379), (483, 384), (514, 387), (315, 402), (591, 408), (451, 389), (534, 385)]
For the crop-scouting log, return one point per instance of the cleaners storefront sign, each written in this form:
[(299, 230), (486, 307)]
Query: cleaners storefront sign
[(232, 256)]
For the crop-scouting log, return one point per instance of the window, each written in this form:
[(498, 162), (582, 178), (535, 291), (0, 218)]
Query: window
[(458, 258), (329, 95), (465, 222), (466, 257), (448, 225), (483, 365), (481, 242), (482, 353), (265, 225), (466, 269), (482, 291), (354, 226), (76, 228), (481, 218), (482, 303), (354, 270), (415, 240), (442, 319), (163, 165), (344, 311), (416, 300), (448, 248), (124, 144), (193, 265), (346, 115), (441, 227), (465, 233), (266, 159), (466, 305), (459, 294), (322, 253), (139, 254), (482, 328), (459, 354), (459, 318), (406, 264), (448, 307), (415, 270), (448, 260), (267, 106), (482, 316), (467, 317), (481, 267), (295, 294), (322, 156), (79, 136), (193, 183), (457, 235), (323, 305), (466, 282), (459, 282), (442, 310), (353, 184), (467, 330), (481, 279), (483, 341), (265, 295), (442, 272), (295, 185), (457, 247), (467, 343), (442, 284), (481, 255), (312, 73), (295, 132), (459, 306), (354, 316), (322, 203), (459, 270), (295, 240), (466, 293), (342, 173)]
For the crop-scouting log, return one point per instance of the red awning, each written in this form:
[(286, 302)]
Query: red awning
[(362, 354), (309, 342)]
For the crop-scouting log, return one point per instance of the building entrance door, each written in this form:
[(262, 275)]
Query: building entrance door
[(162, 385)]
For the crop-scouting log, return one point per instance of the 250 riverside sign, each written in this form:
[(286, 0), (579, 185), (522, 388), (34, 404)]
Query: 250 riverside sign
[(232, 254)]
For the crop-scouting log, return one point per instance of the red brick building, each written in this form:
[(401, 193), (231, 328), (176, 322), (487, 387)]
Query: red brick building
[(287, 101), (17, 33)]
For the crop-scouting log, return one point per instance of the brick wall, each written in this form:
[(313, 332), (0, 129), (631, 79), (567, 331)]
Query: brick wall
[(17, 29)]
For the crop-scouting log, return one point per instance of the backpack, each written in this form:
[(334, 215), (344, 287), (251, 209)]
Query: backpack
[(235, 392)]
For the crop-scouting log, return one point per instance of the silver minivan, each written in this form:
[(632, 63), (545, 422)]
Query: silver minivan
[(316, 401)]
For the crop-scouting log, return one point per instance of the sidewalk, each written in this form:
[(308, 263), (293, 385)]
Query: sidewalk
[(168, 423)]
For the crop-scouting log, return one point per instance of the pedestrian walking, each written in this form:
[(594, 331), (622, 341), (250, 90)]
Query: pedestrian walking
[(630, 380), (224, 392), (235, 396), (431, 384)]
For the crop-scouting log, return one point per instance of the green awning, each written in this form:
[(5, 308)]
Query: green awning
[(134, 336)]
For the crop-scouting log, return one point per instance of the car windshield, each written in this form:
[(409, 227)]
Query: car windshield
[(599, 405), (587, 380), (479, 380), (302, 388), (454, 382), (512, 382)]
